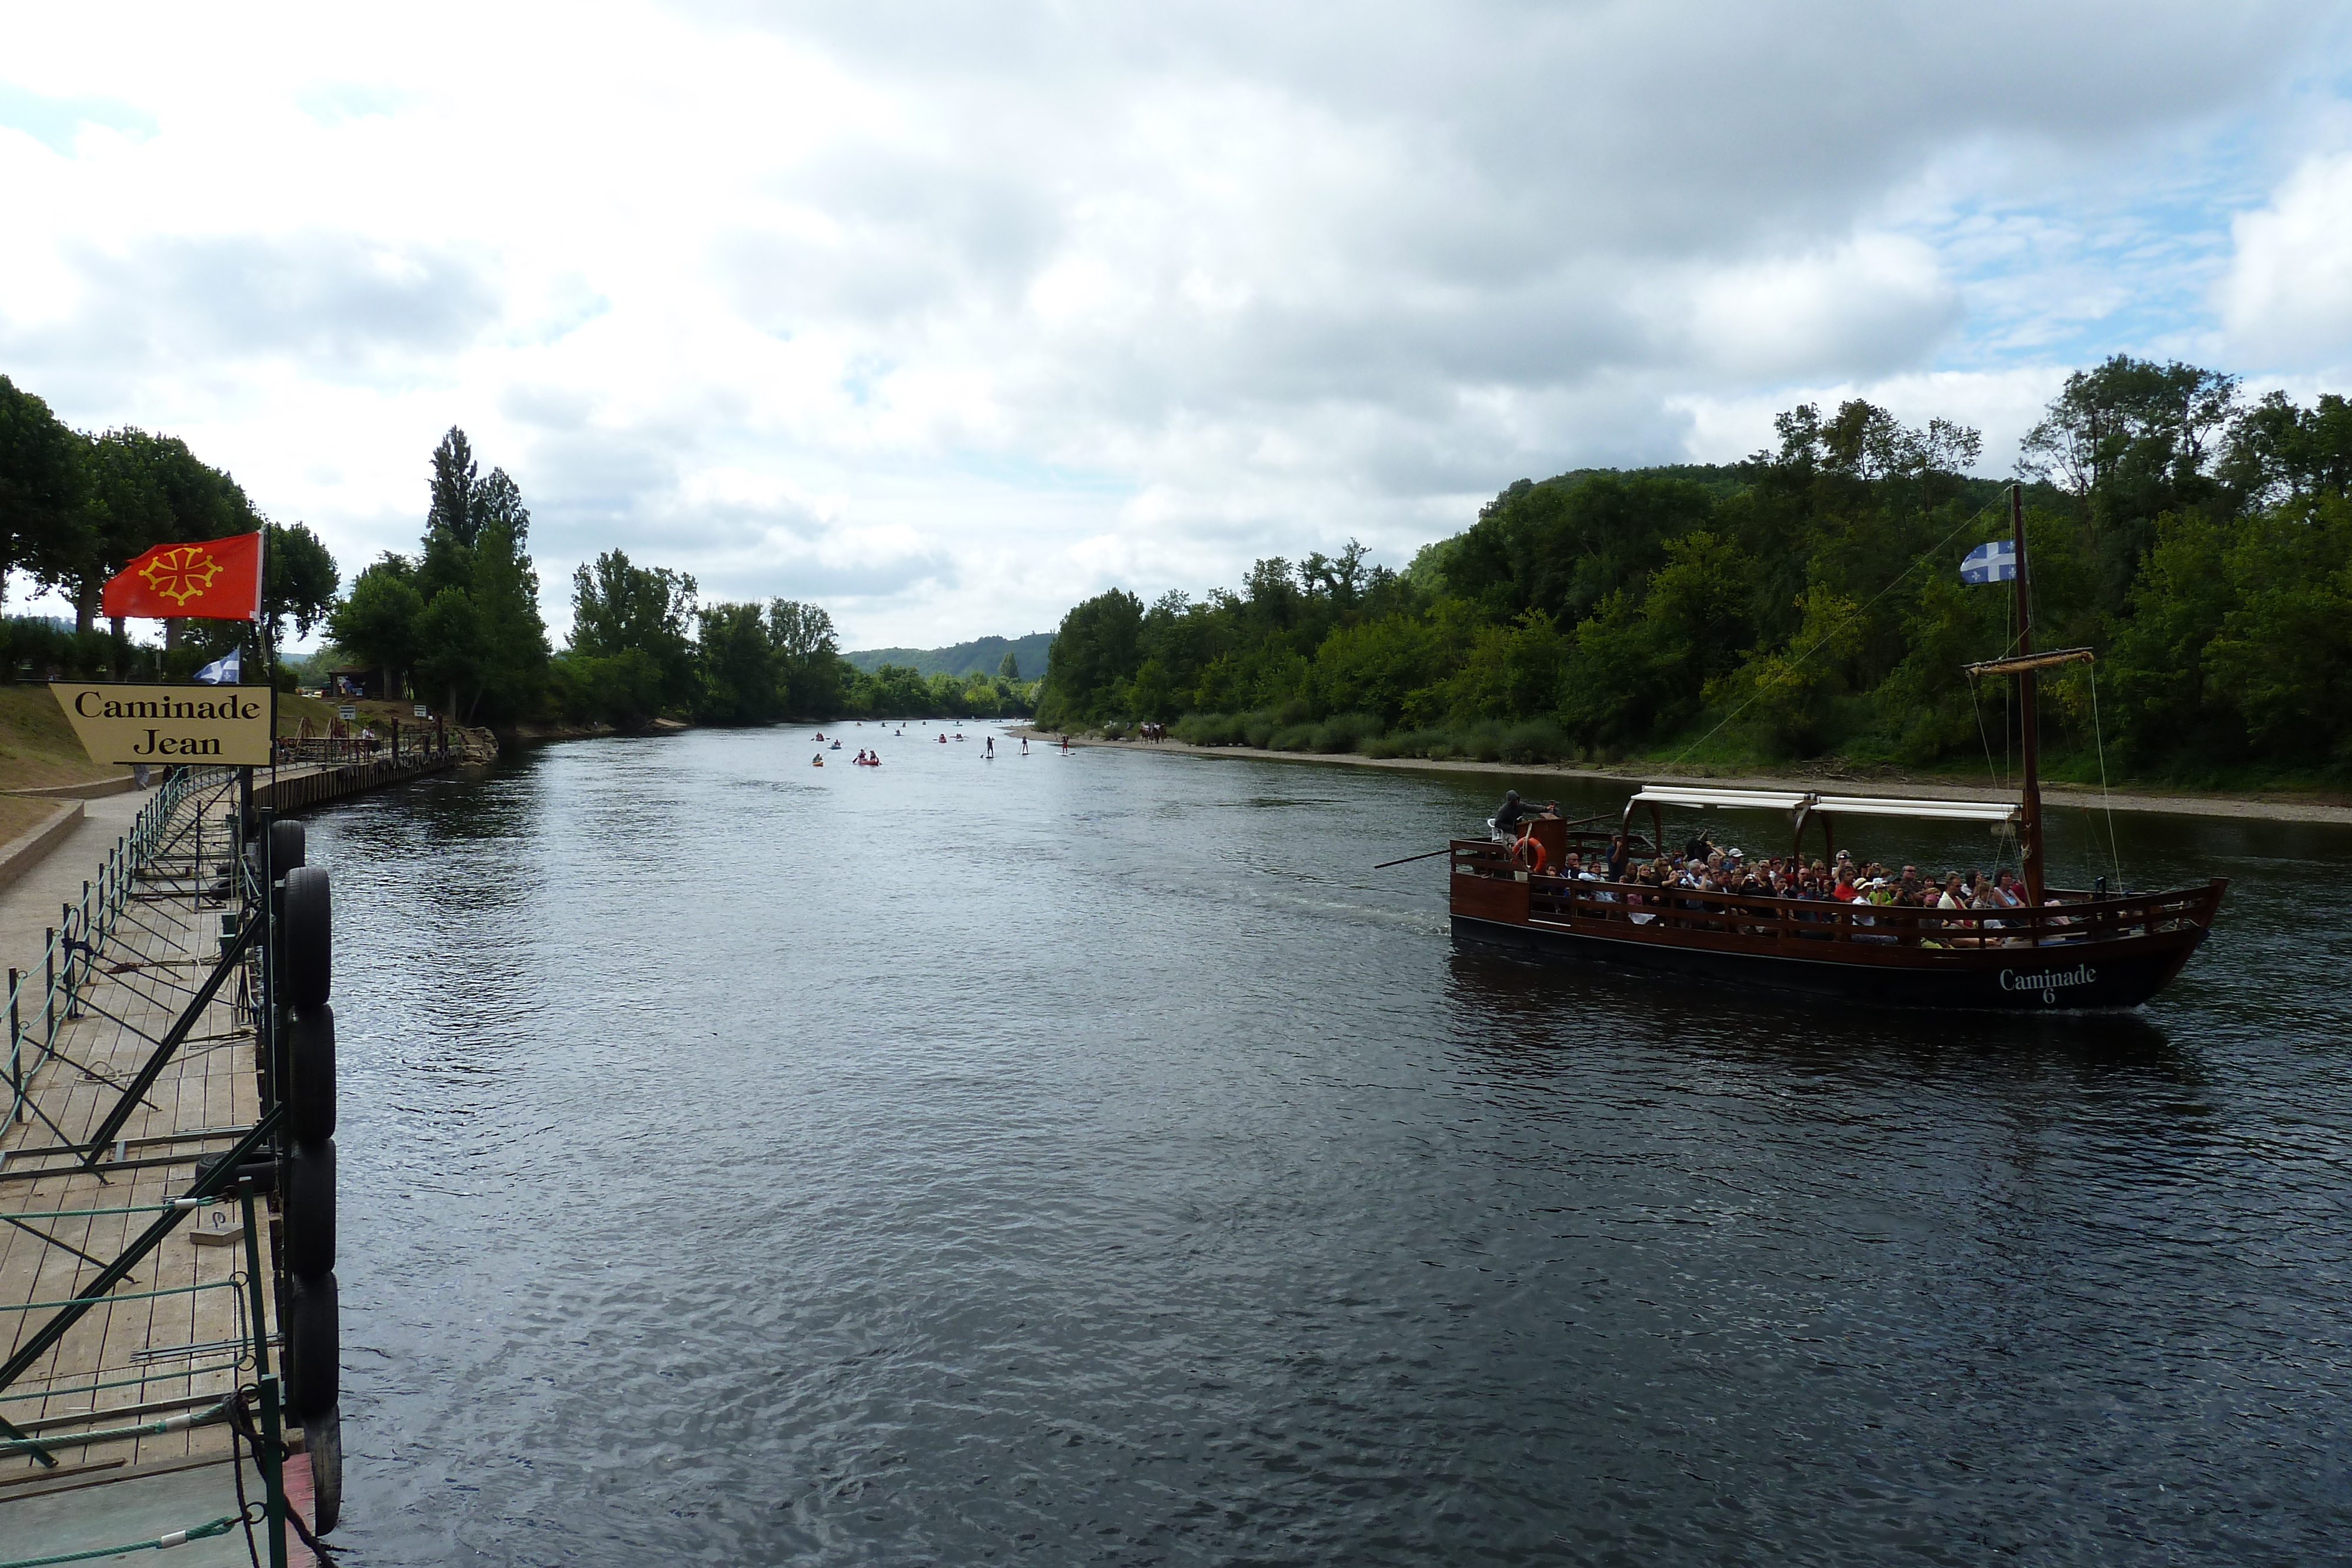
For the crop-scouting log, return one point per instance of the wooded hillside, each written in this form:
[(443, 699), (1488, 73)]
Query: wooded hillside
[(1808, 602)]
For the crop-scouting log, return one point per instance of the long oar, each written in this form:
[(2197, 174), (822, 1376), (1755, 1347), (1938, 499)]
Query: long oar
[(1410, 859)]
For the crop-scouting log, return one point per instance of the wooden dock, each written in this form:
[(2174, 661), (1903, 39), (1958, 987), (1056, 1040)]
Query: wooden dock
[(174, 1340)]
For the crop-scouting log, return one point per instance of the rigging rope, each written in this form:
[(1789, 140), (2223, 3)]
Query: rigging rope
[(1825, 639), (2115, 851)]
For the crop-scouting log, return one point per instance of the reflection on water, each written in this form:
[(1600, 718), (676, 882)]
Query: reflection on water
[(1091, 1157)]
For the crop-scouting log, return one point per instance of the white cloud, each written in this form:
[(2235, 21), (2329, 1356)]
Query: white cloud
[(949, 314), (2286, 300)]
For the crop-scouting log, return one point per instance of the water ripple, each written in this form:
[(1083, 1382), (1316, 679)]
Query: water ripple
[(1091, 1158)]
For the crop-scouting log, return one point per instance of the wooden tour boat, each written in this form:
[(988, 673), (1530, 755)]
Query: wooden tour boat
[(2067, 949)]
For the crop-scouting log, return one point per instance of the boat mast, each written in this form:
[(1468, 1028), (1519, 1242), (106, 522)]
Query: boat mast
[(2029, 828)]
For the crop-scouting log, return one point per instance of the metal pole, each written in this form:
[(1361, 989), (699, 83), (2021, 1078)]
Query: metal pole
[(65, 925), (273, 1480), (15, 1048), (266, 1023), (2029, 836), (50, 993)]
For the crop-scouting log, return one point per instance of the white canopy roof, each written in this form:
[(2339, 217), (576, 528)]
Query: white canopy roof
[(1763, 799), (1948, 810), (1846, 805)]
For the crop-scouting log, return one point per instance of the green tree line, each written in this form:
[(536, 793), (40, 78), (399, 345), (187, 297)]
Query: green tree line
[(1807, 602), (457, 622), (76, 506)]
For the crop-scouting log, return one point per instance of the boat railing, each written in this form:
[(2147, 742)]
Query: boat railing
[(1641, 909)]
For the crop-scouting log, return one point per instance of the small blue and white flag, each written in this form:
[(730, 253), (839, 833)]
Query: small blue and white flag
[(1995, 563), (222, 672)]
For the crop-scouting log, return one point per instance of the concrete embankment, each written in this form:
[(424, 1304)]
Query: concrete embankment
[(2270, 808), (28, 849)]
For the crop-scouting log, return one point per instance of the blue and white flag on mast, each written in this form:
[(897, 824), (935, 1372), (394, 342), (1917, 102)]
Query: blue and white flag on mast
[(1995, 563), (222, 672)]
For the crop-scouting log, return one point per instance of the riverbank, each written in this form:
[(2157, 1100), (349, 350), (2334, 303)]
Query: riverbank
[(2181, 803)]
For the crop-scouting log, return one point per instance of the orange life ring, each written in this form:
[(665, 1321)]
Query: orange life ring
[(1533, 850)]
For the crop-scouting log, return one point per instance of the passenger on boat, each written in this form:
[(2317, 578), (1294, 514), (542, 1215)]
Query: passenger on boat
[(1644, 881)]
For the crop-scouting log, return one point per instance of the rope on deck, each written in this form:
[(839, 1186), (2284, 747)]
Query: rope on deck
[(220, 1526)]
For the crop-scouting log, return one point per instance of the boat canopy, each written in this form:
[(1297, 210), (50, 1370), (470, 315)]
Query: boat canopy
[(1813, 804), (1946, 810)]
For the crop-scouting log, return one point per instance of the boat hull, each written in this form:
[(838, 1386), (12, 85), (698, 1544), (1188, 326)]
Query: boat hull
[(2102, 974)]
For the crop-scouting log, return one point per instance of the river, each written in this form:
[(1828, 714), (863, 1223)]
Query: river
[(1090, 1160)]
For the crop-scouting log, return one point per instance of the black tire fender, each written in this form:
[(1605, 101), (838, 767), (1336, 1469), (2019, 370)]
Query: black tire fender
[(310, 1075), (306, 939), (313, 1347), (289, 842), (323, 1439), (309, 1212)]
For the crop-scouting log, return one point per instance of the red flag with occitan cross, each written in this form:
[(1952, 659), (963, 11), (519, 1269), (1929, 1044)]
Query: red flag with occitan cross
[(216, 580)]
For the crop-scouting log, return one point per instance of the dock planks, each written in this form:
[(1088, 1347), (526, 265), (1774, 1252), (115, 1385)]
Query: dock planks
[(144, 1344)]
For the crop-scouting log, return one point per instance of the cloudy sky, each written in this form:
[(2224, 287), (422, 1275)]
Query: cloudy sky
[(946, 315)]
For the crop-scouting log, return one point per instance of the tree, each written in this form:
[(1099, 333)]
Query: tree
[(452, 515), (738, 665), (299, 580), (2131, 439), (618, 608), (42, 485), (1009, 667), (1098, 648), (2284, 654), (505, 594), (144, 490), (807, 658), (475, 548), (456, 651), (2277, 451), (379, 621)]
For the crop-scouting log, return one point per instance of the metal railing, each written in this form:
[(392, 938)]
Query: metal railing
[(73, 945), (400, 745)]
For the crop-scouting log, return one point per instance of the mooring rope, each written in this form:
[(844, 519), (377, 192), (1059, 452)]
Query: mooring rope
[(220, 1526)]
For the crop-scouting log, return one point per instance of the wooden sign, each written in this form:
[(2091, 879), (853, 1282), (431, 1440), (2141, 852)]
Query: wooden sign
[(165, 725)]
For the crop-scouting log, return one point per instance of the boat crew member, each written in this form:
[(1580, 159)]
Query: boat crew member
[(1514, 810)]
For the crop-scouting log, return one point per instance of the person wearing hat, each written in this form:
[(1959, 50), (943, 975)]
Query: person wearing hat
[(1514, 810)]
